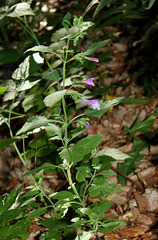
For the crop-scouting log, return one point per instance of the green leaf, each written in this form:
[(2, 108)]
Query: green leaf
[(30, 153), (112, 152), (142, 126), (94, 47), (39, 141), (6, 142), (40, 48), (11, 214), (27, 85), (17, 230), (66, 21), (134, 100), (98, 210), (20, 9), (126, 168), (69, 233), (82, 173), (10, 56), (54, 223), (44, 166), (51, 234), (33, 123), (102, 187), (147, 4), (2, 90), (53, 98), (9, 201), (83, 236), (46, 150), (3, 11), (104, 107), (76, 152), (38, 212), (63, 195), (102, 4), (52, 130), (110, 225), (90, 5), (22, 72), (54, 75)]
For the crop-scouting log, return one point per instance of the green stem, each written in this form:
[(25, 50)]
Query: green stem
[(47, 197), (73, 186), (11, 133), (76, 118), (15, 113), (84, 193), (28, 29)]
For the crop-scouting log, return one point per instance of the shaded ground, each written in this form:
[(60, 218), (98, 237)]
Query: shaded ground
[(138, 204)]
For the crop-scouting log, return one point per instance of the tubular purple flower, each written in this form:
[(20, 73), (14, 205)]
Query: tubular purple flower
[(89, 81), (92, 59), (88, 126), (94, 103)]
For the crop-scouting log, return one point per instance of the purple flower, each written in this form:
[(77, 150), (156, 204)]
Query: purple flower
[(88, 126), (94, 103), (92, 59), (90, 81)]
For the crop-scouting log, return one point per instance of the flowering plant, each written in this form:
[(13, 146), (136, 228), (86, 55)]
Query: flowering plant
[(84, 166)]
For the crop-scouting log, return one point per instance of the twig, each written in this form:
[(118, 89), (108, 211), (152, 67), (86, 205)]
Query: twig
[(140, 188)]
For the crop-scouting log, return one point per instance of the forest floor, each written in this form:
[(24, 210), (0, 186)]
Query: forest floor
[(137, 204)]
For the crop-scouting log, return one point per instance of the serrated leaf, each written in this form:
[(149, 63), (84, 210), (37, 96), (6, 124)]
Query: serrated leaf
[(2, 90), (98, 210), (102, 187), (27, 85), (20, 9), (102, 4), (6, 142), (54, 75), (53, 98), (110, 225), (33, 123), (52, 130), (94, 47), (112, 152), (82, 173), (76, 152), (22, 72), (40, 48), (83, 236)]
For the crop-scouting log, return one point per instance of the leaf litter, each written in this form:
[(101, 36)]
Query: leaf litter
[(137, 208)]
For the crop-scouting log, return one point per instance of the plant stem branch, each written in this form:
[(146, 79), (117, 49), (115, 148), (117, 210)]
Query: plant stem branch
[(139, 187)]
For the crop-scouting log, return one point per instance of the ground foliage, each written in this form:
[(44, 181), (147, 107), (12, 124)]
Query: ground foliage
[(126, 134)]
